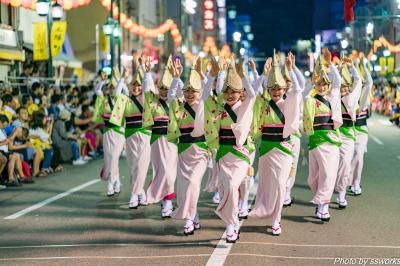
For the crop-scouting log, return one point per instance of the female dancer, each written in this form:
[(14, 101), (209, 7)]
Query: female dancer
[(278, 119), (229, 130), (322, 118)]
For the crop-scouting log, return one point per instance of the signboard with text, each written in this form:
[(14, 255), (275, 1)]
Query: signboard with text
[(209, 15)]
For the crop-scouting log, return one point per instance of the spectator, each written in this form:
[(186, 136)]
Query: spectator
[(66, 142), (14, 161), (88, 131), (22, 118), (24, 78), (53, 109), (9, 106), (37, 92), (41, 134)]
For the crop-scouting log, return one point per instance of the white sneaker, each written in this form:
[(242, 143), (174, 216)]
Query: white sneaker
[(216, 198), (189, 228), (143, 199), (167, 209), (134, 201), (117, 186), (79, 162), (110, 189)]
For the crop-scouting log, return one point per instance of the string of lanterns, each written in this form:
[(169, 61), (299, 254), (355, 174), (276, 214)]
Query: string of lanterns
[(127, 23), (134, 28), (31, 4)]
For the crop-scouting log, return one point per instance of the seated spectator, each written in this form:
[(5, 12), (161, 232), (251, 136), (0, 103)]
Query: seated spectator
[(68, 143), (37, 92), (41, 140), (53, 108), (88, 130), (19, 142), (14, 163), (9, 106), (22, 118)]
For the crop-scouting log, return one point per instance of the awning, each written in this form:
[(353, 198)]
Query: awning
[(69, 61), (10, 54)]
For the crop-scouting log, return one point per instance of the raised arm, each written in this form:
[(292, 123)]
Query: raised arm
[(334, 95), (351, 100), (366, 90)]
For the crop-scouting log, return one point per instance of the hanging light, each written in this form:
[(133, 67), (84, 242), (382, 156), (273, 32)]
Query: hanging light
[(42, 8), (57, 11), (108, 26)]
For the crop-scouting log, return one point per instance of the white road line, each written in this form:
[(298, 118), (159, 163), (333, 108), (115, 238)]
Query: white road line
[(106, 257), (163, 257), (50, 200), (378, 141), (222, 250), (194, 244), (318, 245)]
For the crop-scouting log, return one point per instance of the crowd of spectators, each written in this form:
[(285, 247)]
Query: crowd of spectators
[(43, 127), (386, 98)]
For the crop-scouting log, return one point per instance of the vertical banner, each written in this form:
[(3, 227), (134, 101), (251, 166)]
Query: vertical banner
[(390, 64), (104, 43), (40, 41), (58, 31), (382, 63)]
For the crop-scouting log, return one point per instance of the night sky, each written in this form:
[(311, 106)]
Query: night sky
[(274, 21)]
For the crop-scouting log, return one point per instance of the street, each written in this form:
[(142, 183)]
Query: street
[(75, 223)]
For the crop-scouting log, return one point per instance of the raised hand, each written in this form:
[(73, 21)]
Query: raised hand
[(327, 55), (125, 72), (198, 67), (142, 59), (215, 67), (223, 64), (289, 62), (293, 58), (347, 60), (147, 64), (267, 66), (239, 68), (252, 65)]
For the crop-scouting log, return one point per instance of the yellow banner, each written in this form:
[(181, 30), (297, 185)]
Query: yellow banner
[(57, 36), (382, 63), (40, 41), (390, 64), (104, 42)]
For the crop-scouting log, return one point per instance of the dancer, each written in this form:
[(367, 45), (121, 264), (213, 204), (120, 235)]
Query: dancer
[(186, 127), (278, 119), (113, 135), (228, 130), (164, 154), (350, 91), (361, 131), (322, 118), (137, 137)]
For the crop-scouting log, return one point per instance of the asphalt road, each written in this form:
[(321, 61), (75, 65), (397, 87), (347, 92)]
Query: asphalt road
[(85, 227)]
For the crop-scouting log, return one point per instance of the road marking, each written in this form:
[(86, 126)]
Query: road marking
[(107, 257), (107, 244), (193, 244), (50, 200), (222, 249), (378, 141), (317, 245)]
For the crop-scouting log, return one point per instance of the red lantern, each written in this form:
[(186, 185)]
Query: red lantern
[(26, 3), (15, 3), (6, 2)]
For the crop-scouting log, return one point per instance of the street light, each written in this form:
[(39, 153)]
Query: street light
[(370, 28), (344, 43), (250, 36), (386, 52), (45, 8), (108, 26), (108, 29), (237, 36)]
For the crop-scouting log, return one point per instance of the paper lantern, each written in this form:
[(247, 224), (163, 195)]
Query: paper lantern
[(123, 19), (68, 4), (81, 2), (75, 3), (6, 2), (15, 3), (106, 3), (26, 3)]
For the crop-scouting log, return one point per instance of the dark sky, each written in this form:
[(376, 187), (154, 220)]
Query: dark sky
[(274, 21)]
